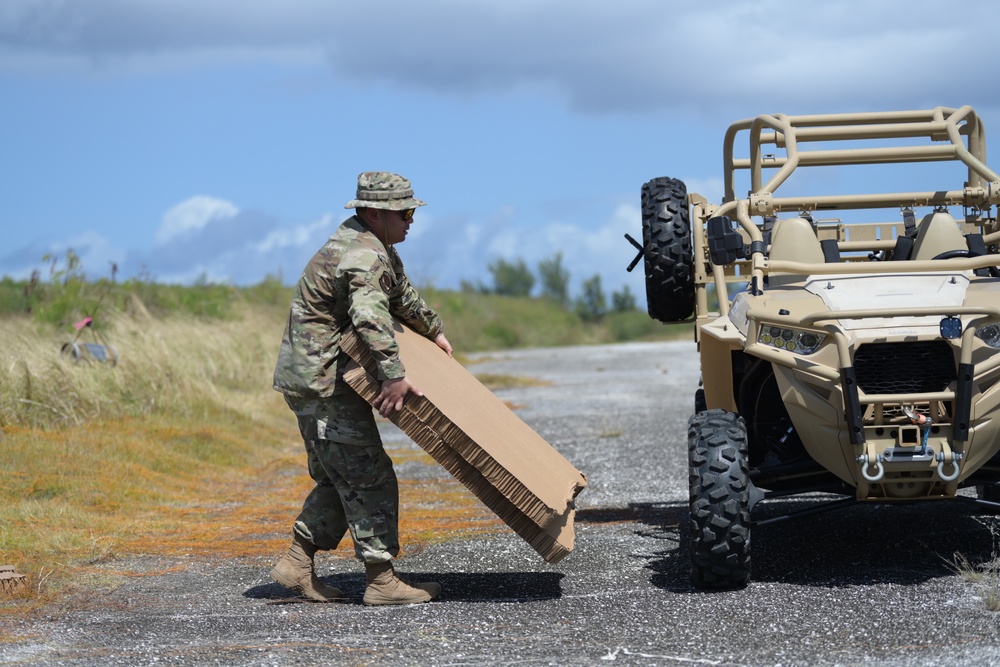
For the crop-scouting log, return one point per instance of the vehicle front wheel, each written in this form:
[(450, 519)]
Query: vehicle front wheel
[(719, 482)]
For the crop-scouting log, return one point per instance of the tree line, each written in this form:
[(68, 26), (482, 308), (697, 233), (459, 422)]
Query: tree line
[(515, 278)]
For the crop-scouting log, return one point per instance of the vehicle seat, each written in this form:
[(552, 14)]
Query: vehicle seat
[(937, 233), (794, 240)]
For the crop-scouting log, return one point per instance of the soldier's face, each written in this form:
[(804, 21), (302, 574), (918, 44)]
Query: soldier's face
[(396, 225)]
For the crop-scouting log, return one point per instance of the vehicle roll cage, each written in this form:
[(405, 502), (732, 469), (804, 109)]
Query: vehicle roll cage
[(957, 135)]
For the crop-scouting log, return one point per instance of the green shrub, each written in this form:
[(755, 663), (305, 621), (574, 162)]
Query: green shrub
[(637, 325), (500, 335)]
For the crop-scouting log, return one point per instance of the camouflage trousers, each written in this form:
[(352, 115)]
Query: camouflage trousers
[(356, 487)]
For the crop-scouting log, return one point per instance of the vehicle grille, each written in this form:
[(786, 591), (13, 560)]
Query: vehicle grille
[(904, 368)]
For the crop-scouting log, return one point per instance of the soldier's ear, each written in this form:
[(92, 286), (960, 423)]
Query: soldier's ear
[(373, 217)]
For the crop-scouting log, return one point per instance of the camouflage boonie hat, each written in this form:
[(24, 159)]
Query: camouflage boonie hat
[(382, 189)]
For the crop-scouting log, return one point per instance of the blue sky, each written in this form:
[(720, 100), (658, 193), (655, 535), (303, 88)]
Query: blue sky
[(221, 138)]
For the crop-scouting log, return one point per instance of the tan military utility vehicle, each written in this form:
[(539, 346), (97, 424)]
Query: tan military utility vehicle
[(848, 355)]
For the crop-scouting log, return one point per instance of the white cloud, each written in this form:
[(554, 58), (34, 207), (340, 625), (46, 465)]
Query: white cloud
[(711, 188), (603, 250), (192, 215), (628, 56), (97, 253), (300, 236), (453, 251), (98, 257), (446, 253)]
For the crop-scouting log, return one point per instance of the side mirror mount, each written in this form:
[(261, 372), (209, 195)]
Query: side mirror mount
[(725, 245)]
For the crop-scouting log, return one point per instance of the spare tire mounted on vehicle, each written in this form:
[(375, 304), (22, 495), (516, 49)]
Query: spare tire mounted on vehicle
[(666, 238)]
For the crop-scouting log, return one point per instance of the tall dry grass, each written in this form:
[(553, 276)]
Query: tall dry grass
[(182, 449), (177, 364), (97, 460)]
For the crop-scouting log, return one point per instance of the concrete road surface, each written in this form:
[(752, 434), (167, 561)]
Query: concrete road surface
[(864, 586)]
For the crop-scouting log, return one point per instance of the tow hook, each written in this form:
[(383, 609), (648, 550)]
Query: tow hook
[(866, 463), (953, 460)]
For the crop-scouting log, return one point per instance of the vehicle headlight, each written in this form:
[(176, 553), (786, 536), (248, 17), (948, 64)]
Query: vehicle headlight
[(990, 334), (794, 340)]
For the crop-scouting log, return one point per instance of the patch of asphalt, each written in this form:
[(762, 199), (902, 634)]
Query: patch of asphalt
[(863, 586)]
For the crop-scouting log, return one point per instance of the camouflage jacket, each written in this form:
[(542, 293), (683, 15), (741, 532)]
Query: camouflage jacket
[(353, 280)]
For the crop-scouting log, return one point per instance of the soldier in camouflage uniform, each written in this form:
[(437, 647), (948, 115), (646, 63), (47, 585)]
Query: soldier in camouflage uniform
[(356, 279)]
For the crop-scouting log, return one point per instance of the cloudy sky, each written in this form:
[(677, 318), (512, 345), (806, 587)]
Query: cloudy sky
[(221, 138)]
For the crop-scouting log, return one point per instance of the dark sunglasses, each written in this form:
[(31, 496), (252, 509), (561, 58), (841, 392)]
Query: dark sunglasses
[(407, 215)]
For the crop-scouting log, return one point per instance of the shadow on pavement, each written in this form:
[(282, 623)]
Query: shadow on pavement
[(901, 544), (492, 587), (904, 544)]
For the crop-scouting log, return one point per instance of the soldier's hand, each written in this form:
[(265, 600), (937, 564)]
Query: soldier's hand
[(390, 398), (443, 343)]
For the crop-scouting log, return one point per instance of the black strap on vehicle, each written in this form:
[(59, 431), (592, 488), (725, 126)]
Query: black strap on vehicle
[(831, 250), (769, 221), (909, 222), (978, 247), (901, 251)]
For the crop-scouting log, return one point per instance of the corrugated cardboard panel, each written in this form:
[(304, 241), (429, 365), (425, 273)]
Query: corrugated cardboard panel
[(480, 441)]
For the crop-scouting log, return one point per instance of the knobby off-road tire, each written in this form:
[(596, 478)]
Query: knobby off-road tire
[(719, 482), (666, 237)]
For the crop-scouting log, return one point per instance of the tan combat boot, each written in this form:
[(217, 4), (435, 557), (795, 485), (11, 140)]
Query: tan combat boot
[(384, 587), (295, 571)]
